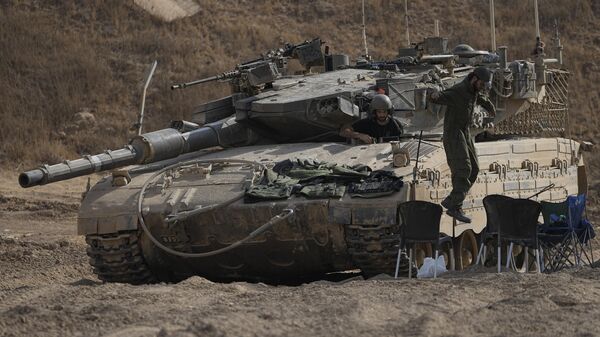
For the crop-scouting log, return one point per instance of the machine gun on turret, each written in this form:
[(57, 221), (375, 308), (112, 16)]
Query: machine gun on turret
[(253, 76)]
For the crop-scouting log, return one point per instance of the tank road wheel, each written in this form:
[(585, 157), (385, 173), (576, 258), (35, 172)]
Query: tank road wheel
[(519, 254), (421, 251), (117, 257), (465, 250), (446, 250), (491, 254)]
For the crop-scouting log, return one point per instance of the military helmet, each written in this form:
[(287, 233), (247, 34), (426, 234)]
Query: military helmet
[(483, 74), (381, 102)]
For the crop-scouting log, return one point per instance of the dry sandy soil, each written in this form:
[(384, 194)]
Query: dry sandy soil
[(48, 289), (91, 55)]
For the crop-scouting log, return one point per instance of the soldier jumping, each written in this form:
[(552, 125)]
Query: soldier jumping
[(458, 143)]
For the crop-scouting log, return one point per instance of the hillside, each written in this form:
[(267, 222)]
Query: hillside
[(58, 58)]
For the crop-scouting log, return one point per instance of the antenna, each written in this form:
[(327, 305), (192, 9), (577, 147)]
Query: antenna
[(138, 125), (537, 20), (492, 26), (539, 45), (406, 19), (557, 45), (364, 30)]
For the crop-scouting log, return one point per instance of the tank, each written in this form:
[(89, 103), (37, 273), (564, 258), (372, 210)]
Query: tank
[(200, 197)]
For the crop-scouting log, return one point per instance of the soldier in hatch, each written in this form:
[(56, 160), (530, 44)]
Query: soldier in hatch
[(380, 124), (458, 143)]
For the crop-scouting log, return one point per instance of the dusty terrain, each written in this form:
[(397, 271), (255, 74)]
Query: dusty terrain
[(61, 58), (48, 289)]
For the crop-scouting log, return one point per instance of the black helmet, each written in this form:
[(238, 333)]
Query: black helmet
[(483, 74)]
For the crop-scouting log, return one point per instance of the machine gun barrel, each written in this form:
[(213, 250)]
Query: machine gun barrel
[(143, 149), (192, 83), (223, 76)]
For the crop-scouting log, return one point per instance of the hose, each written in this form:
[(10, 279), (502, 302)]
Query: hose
[(286, 213)]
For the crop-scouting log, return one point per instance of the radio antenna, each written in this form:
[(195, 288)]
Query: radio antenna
[(537, 19), (492, 26), (406, 20), (140, 121), (364, 30), (539, 45), (557, 45)]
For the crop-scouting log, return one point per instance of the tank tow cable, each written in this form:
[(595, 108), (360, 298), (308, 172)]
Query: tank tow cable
[(284, 215)]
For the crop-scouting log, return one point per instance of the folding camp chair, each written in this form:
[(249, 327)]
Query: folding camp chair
[(420, 224), (493, 223), (565, 234), (522, 230), (581, 227), (514, 221)]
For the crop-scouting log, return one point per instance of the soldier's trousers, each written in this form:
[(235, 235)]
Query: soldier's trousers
[(464, 174)]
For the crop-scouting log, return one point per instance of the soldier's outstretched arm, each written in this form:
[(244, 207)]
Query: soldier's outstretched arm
[(440, 97)]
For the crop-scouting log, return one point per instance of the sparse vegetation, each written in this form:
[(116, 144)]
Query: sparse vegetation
[(61, 57)]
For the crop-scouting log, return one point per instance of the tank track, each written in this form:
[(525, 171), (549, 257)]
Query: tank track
[(117, 257), (374, 249)]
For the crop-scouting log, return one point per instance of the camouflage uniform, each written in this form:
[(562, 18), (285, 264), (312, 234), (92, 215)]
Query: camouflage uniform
[(458, 143)]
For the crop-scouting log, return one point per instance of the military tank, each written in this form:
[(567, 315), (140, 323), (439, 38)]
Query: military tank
[(217, 197)]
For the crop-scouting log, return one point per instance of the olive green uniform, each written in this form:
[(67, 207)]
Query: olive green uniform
[(458, 143)]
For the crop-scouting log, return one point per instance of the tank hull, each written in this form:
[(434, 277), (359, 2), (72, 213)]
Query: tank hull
[(324, 235)]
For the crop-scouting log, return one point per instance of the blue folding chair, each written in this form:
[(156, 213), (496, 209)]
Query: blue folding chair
[(565, 234)]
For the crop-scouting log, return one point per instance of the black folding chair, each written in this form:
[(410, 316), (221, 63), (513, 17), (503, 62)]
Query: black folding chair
[(522, 230), (493, 213), (516, 221), (420, 224)]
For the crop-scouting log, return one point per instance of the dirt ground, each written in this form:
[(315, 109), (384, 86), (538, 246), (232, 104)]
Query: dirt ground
[(47, 288)]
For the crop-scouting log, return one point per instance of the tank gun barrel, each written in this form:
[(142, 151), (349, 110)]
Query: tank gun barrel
[(70, 169), (143, 149)]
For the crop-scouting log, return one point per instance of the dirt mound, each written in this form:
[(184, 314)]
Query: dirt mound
[(41, 207)]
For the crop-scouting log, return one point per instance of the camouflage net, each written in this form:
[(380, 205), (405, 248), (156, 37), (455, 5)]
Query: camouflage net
[(548, 116)]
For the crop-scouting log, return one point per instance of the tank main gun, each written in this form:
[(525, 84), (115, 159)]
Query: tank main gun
[(142, 149)]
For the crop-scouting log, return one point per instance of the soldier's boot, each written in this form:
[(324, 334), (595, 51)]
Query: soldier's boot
[(446, 203), (458, 214)]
